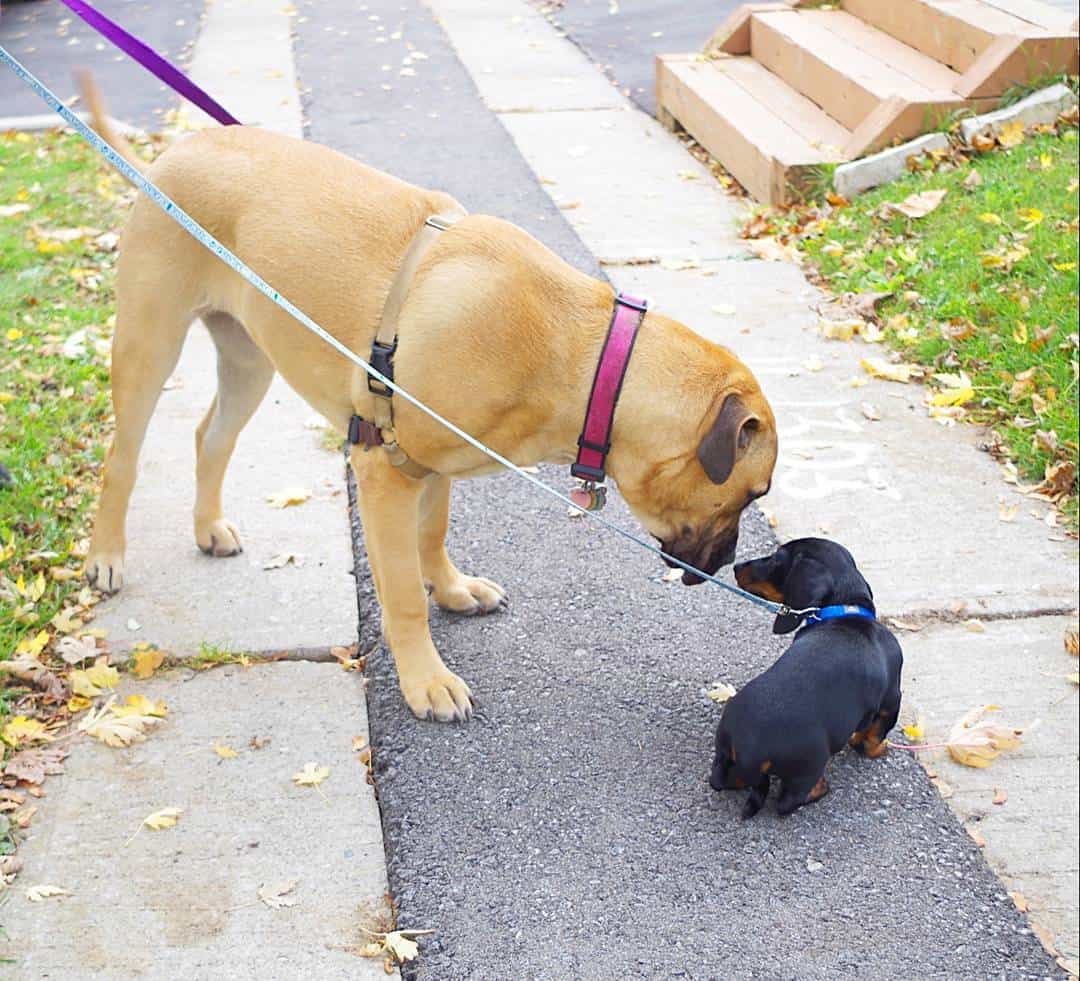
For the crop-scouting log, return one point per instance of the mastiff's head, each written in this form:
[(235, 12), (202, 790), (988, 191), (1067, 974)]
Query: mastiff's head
[(701, 451)]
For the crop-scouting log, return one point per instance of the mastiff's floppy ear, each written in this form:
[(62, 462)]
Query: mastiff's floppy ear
[(727, 438)]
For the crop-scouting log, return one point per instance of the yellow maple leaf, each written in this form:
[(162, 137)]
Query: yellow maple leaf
[(989, 218), (33, 646), (225, 752), (14, 334), (1031, 217), (37, 893), (23, 730), (1046, 161), (165, 818), (116, 730), (37, 588), (289, 497), (1020, 332), (880, 368), (1064, 266), (915, 732), (1011, 134), (953, 396), (94, 680), (141, 705), (311, 776), (147, 661), (77, 703)]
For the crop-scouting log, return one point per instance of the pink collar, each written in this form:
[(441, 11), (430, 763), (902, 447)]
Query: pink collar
[(594, 443)]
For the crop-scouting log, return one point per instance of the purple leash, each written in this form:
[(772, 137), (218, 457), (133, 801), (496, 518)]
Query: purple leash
[(151, 61)]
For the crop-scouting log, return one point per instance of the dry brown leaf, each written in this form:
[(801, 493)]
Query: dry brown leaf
[(1000, 795), (283, 559), (972, 181), (1072, 642), (75, 650), (33, 765), (943, 788), (978, 744), (1020, 900), (771, 250), (976, 835), (916, 205)]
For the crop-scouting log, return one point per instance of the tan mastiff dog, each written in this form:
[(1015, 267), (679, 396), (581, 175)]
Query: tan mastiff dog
[(496, 333)]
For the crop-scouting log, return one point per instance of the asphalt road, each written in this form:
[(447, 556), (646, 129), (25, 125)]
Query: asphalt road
[(625, 36), (569, 831), (52, 42)]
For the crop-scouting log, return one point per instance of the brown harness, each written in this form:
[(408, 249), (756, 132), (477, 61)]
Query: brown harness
[(379, 430)]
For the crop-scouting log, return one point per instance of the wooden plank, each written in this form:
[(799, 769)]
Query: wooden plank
[(953, 32), (846, 82), (815, 126), (733, 36), (1034, 12), (755, 146), (1014, 61), (897, 120), (896, 54)]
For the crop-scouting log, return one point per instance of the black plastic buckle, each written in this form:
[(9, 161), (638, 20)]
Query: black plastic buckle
[(382, 360), (583, 472), (625, 301), (364, 431)]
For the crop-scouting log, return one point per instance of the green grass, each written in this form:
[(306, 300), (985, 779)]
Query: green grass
[(953, 267), (54, 405)]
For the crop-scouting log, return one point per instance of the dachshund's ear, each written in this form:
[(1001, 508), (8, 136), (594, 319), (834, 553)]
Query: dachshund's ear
[(808, 584), (727, 439)]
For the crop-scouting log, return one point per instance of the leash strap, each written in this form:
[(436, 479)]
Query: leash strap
[(204, 238), (594, 443), (151, 61), (380, 431)]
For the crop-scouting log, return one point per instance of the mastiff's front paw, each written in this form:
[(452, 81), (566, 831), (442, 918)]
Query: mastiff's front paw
[(443, 697), (105, 570), (470, 595), (218, 538)]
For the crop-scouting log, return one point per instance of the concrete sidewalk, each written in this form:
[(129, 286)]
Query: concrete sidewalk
[(916, 503), (184, 902)]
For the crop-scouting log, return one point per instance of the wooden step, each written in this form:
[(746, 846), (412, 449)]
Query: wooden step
[(993, 44), (768, 136), (848, 79)]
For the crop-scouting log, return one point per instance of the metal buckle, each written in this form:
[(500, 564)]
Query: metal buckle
[(438, 223), (382, 360)]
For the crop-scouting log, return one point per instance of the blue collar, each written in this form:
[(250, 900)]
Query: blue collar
[(844, 612)]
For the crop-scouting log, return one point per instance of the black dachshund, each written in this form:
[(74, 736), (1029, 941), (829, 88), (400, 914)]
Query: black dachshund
[(838, 683)]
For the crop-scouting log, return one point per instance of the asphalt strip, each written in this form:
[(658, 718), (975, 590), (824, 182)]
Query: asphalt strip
[(569, 831)]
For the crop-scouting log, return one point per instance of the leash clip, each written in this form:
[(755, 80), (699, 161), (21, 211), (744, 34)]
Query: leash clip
[(589, 496)]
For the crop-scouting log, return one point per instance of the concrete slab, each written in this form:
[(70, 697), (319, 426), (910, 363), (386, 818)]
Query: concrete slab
[(1021, 666), (630, 190), (530, 70), (1039, 107), (177, 597), (183, 902), (880, 168), (862, 482), (244, 59)]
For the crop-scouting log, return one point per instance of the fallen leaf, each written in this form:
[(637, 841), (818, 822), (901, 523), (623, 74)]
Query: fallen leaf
[(277, 896), (972, 181), (1072, 642), (75, 650), (1011, 134), (989, 218), (916, 732), (311, 776), (976, 835), (37, 893), (978, 744), (1031, 217), (720, 692), (147, 661), (870, 411), (917, 205), (840, 330), (943, 788), (865, 304), (34, 765), (289, 497), (141, 705), (672, 575), (225, 752), (283, 559), (1007, 512), (975, 626), (904, 624), (771, 250), (1020, 900), (880, 368), (957, 329), (953, 396), (116, 730), (94, 680), (1000, 795), (165, 818), (813, 363), (33, 644), (24, 730)]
